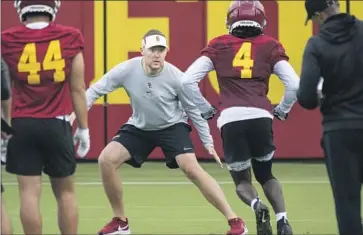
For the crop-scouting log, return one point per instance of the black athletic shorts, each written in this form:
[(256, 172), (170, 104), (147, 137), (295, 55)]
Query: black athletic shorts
[(41, 145), (173, 141), (247, 139)]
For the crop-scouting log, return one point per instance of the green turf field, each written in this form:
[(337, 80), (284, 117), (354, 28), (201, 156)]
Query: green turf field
[(161, 201)]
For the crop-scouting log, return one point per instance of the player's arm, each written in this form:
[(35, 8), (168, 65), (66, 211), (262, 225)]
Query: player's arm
[(194, 74), (109, 82), (78, 94), (78, 91), (290, 79), (286, 73), (310, 77), (5, 92)]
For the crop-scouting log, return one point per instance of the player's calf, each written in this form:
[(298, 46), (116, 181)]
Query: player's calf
[(29, 190), (5, 220), (241, 175), (64, 192), (272, 188), (244, 188)]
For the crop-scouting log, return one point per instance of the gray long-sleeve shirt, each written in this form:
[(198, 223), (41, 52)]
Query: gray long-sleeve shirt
[(157, 101)]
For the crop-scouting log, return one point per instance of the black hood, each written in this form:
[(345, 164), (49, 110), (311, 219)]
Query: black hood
[(338, 28)]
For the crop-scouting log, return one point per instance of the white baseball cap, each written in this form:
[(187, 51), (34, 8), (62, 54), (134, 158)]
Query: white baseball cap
[(154, 40)]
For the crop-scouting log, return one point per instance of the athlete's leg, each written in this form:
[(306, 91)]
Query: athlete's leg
[(128, 146)]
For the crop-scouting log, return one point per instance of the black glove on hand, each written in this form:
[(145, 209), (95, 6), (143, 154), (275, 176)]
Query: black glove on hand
[(279, 114), (210, 114)]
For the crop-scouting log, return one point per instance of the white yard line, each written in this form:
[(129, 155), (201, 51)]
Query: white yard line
[(171, 183)]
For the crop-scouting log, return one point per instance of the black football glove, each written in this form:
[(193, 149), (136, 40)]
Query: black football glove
[(279, 114), (6, 128), (210, 114)]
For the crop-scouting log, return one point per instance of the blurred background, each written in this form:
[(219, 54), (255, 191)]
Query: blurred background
[(166, 203)]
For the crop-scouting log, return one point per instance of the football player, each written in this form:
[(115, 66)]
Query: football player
[(47, 70), (160, 119), (244, 60)]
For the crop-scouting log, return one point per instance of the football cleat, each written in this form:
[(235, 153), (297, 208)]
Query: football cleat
[(238, 227), (263, 219), (115, 227), (283, 227)]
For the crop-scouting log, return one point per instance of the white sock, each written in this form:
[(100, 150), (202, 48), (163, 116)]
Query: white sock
[(281, 216), (253, 203)]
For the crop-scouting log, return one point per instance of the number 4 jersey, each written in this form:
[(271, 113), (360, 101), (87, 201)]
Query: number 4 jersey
[(243, 68), (39, 57)]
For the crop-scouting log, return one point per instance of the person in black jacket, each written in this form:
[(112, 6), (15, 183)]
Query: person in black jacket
[(5, 134), (335, 56), (5, 100)]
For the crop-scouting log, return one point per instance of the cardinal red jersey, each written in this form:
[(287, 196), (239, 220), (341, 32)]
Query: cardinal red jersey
[(40, 62), (243, 68)]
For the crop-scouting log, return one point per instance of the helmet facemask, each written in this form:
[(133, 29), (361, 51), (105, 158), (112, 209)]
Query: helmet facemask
[(28, 7)]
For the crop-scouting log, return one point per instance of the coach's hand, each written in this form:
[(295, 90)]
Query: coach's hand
[(213, 152), (82, 135)]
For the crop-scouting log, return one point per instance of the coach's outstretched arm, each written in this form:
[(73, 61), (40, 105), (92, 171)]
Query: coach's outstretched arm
[(194, 74), (194, 101), (109, 82), (200, 124)]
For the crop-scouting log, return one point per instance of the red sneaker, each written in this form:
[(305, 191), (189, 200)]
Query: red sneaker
[(238, 227), (116, 227)]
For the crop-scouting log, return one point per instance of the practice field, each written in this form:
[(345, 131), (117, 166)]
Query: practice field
[(162, 201)]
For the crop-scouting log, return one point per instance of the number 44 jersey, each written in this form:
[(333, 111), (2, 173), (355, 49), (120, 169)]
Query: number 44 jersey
[(40, 62), (243, 68)]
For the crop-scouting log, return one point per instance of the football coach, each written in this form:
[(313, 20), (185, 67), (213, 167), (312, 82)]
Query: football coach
[(335, 54)]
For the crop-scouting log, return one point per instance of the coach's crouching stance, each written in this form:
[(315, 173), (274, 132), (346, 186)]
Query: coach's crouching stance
[(159, 119)]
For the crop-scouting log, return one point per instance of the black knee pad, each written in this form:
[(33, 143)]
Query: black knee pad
[(262, 171)]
